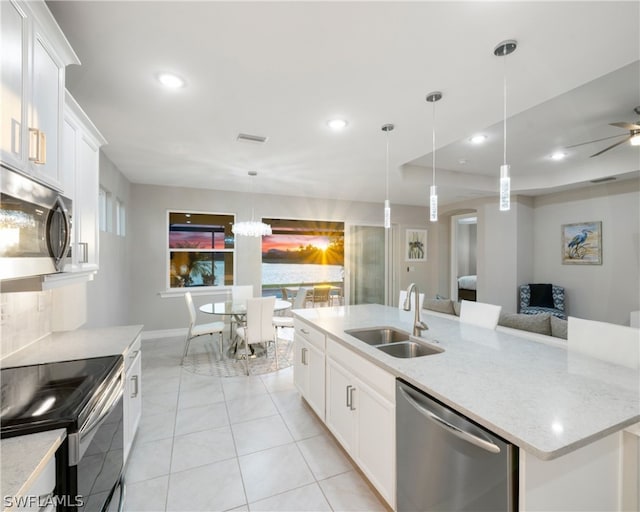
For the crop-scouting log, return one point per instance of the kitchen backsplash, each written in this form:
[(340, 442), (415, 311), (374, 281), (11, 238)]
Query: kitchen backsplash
[(24, 317)]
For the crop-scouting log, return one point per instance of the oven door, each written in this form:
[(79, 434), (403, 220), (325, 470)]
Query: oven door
[(96, 455)]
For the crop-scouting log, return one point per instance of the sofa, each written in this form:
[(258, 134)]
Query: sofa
[(543, 327)]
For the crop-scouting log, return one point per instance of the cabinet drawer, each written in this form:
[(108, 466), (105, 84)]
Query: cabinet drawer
[(309, 333), (380, 380), (132, 352)]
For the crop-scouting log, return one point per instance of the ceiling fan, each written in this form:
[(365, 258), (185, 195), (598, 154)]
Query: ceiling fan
[(633, 135)]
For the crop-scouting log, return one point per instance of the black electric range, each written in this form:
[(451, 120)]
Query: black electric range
[(85, 397)]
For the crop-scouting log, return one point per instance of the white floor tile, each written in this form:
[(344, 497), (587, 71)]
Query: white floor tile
[(156, 426), (159, 384), (349, 492), (288, 400), (274, 471), (304, 499), (255, 435), (201, 448), (302, 423), (279, 381), (159, 403), (324, 457), (216, 486), (241, 387), (147, 496), (192, 397), (251, 408), (149, 460), (204, 417)]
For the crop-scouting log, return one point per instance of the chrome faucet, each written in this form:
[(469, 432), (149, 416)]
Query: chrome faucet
[(418, 325)]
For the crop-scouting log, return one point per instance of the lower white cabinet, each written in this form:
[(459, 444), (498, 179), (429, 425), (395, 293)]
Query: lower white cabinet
[(132, 394), (360, 412), (308, 365)]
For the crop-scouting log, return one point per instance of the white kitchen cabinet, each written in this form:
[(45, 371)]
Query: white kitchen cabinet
[(132, 394), (360, 412), (34, 56), (81, 161), (309, 365)]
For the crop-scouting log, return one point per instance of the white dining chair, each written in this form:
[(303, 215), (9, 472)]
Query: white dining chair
[(239, 296), (617, 344), (403, 296), (196, 330), (282, 321), (258, 327), (480, 314)]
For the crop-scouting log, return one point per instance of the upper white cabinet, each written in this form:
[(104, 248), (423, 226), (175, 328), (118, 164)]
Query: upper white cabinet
[(80, 160), (34, 55)]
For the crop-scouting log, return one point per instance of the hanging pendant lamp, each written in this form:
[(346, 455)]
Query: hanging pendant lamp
[(502, 50), (387, 205), (251, 228), (432, 97)]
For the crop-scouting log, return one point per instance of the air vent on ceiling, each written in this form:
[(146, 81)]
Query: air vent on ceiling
[(256, 139), (602, 180)]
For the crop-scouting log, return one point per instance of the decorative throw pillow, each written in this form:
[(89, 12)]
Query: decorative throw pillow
[(541, 295), (559, 327), (439, 305), (539, 323), (456, 307)]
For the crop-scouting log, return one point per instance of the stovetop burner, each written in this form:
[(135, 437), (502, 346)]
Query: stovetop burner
[(52, 395)]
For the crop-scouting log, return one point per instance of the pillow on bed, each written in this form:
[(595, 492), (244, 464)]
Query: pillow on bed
[(539, 323), (439, 305), (541, 295), (558, 327)]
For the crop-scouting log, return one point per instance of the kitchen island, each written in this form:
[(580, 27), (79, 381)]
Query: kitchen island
[(545, 400)]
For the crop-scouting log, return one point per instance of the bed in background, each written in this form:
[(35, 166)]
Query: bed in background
[(467, 288)]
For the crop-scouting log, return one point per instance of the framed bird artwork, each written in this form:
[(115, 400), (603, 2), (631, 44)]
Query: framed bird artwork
[(582, 243)]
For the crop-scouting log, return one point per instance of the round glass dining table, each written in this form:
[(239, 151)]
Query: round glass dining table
[(237, 309)]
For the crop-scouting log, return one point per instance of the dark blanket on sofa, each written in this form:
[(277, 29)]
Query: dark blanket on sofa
[(541, 295)]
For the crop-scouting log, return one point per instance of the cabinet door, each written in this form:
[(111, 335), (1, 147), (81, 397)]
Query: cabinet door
[(315, 379), (132, 402), (86, 204), (339, 414), (46, 111), (299, 369), (376, 439), (13, 24)]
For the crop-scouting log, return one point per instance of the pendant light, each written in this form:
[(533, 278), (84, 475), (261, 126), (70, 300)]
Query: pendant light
[(251, 228), (432, 97), (502, 50), (387, 205)]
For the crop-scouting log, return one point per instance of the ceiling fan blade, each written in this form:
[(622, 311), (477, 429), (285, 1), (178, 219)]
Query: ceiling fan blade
[(611, 147), (626, 126), (596, 140)]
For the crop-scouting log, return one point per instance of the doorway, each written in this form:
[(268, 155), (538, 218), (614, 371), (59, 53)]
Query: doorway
[(367, 268), (464, 246)]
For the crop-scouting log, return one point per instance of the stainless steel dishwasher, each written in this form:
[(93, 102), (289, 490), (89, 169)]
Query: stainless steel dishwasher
[(448, 463)]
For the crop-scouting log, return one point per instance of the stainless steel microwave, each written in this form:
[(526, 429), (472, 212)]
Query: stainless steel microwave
[(35, 227)]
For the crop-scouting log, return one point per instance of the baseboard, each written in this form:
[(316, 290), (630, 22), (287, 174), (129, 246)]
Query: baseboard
[(164, 333)]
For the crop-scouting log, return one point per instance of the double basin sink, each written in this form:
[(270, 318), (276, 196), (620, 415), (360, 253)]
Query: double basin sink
[(394, 342)]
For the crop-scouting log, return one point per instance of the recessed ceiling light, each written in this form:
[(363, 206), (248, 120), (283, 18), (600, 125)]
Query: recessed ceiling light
[(558, 155), (478, 139), (337, 124), (170, 80)]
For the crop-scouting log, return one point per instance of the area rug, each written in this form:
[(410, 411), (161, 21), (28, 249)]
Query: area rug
[(204, 357)]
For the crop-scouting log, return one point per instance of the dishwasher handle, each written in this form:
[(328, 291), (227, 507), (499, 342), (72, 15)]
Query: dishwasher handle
[(465, 436)]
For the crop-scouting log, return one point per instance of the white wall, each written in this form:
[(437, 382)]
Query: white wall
[(607, 292), (108, 297), (148, 240)]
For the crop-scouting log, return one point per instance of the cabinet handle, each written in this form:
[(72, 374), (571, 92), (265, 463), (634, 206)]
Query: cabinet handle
[(39, 155), (303, 354), (136, 388), (134, 354), (348, 389), (85, 251), (303, 331), (351, 407)]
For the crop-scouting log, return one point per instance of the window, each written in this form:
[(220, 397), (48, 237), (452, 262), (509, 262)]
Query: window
[(302, 252), (121, 219), (201, 249)]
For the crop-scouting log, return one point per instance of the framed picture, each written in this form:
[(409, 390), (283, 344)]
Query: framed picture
[(416, 245), (582, 243)]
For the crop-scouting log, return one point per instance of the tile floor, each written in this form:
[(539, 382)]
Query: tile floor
[(236, 443)]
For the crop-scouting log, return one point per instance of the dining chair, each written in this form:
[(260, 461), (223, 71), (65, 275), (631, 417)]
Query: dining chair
[(258, 327), (336, 296), (239, 295), (403, 296), (287, 321), (196, 330), (613, 343), (479, 313), (321, 295)]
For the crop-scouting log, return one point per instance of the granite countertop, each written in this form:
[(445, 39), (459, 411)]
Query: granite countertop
[(23, 459), (78, 344), (542, 398)]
